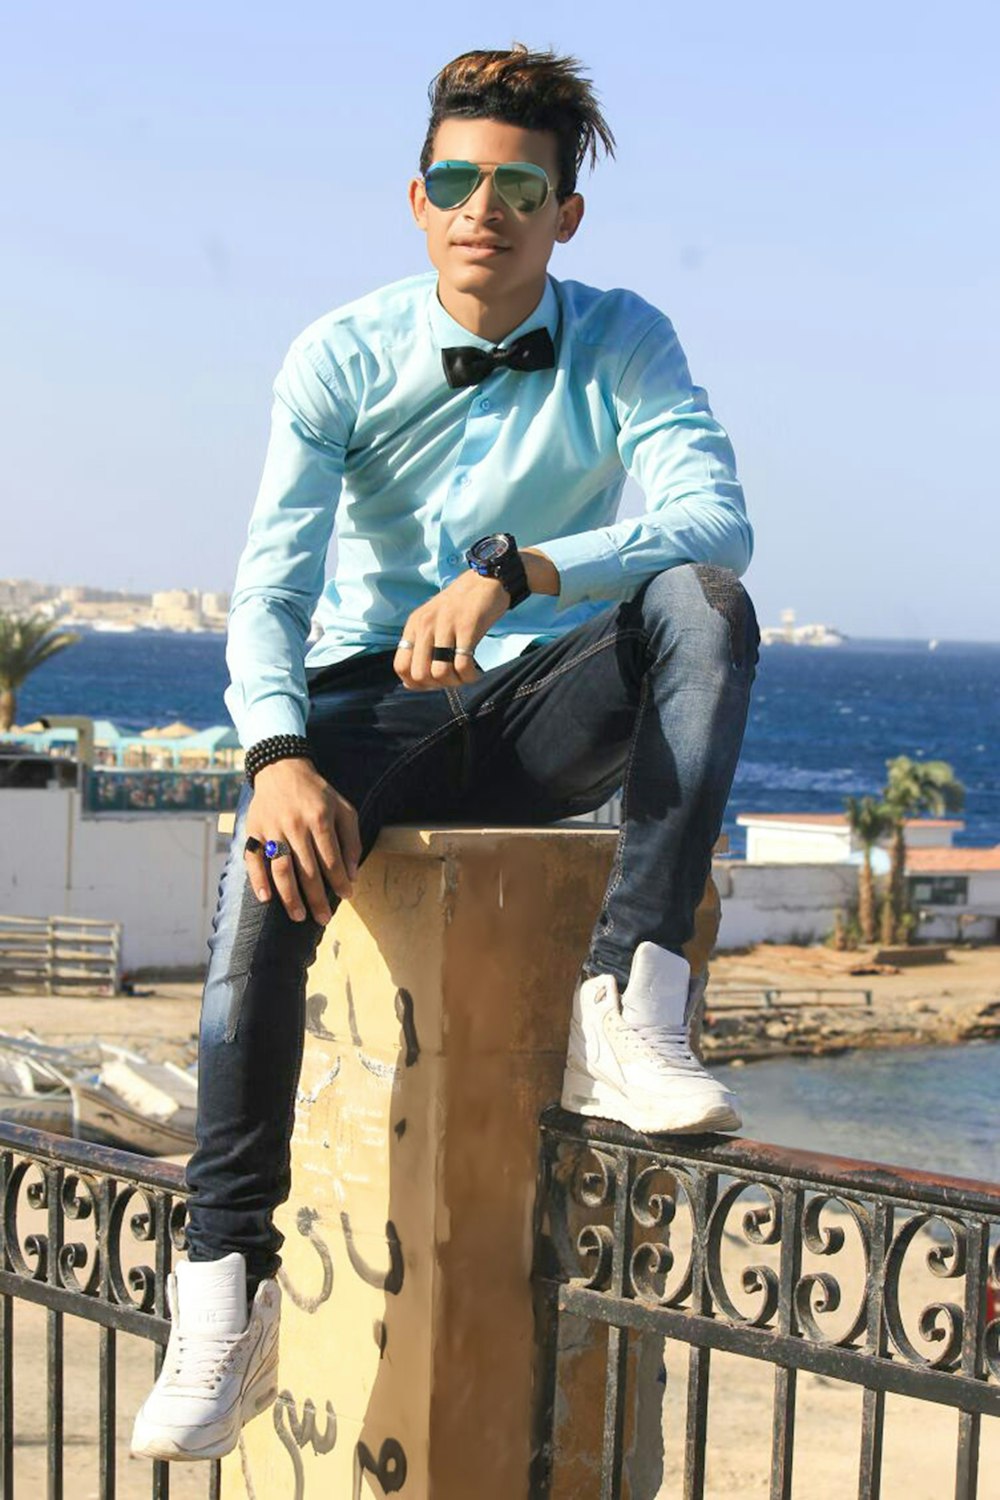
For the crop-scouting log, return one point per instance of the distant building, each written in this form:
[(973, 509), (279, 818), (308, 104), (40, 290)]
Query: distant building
[(790, 634), (956, 892), (215, 605), (177, 609), (22, 595), (826, 838), (76, 604)]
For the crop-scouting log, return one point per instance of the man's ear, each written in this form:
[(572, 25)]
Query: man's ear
[(570, 214), (418, 201)]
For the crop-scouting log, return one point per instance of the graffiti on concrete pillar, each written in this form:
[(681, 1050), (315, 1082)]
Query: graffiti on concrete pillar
[(330, 1076), (404, 1011), (389, 1468), (390, 1281), (305, 1222), (315, 1008), (300, 1433), (352, 1017)]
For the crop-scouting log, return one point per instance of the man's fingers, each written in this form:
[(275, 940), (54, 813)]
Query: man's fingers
[(336, 869), (443, 672), (420, 659), (256, 867), (308, 871), (466, 667), (349, 836), (401, 661), (283, 875)]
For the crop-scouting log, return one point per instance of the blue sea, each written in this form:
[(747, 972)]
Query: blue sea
[(823, 722), (929, 1108)]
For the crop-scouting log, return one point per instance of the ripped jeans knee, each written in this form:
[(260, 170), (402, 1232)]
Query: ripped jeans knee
[(725, 594), (673, 602)]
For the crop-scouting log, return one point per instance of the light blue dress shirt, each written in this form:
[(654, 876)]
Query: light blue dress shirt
[(368, 437)]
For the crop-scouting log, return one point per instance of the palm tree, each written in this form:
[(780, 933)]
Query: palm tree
[(870, 821), (912, 787), (25, 642)]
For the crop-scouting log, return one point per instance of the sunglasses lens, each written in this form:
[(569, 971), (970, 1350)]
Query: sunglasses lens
[(449, 183), (523, 186)]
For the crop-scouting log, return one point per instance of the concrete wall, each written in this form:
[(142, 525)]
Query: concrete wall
[(777, 846), (780, 903), (929, 835), (982, 925), (157, 875)]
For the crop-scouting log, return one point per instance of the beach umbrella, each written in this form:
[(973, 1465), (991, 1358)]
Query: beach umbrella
[(175, 731)]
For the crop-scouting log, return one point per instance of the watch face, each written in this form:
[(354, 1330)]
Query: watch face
[(490, 548)]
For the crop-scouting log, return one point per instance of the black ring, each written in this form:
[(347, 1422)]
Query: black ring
[(252, 845), (442, 653)]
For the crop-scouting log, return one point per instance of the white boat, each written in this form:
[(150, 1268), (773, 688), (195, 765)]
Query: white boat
[(101, 1115), (98, 1092), (790, 634)]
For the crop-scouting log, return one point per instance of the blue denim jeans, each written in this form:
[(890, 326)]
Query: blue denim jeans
[(649, 696)]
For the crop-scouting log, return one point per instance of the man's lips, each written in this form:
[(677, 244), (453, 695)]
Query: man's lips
[(482, 248)]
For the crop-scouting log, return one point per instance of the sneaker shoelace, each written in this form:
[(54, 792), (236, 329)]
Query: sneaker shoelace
[(202, 1361), (666, 1047)]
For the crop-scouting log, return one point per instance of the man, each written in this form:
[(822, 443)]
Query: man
[(495, 647)]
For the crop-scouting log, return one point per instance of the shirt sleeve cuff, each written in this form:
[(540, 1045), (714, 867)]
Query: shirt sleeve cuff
[(588, 564), (276, 714)]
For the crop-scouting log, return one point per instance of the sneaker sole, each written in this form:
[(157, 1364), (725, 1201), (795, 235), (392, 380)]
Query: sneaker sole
[(261, 1393), (583, 1095)]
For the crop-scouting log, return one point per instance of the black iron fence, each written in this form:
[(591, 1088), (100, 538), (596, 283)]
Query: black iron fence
[(89, 1233), (739, 1247), (713, 1245)]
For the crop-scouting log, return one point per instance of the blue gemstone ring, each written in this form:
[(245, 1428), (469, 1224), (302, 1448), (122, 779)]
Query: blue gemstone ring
[(275, 848)]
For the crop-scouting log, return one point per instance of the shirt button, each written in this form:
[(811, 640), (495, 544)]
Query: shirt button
[(484, 405), (454, 558), (465, 481)]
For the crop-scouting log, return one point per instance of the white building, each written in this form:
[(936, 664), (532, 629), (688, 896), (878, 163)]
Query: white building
[(956, 892), (826, 838)]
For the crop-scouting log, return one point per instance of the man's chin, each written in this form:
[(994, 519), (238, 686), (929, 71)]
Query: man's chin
[(466, 278)]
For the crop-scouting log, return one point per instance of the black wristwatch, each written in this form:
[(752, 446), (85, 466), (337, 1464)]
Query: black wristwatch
[(497, 557)]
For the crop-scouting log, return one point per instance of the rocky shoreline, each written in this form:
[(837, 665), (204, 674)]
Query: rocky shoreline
[(801, 1031), (942, 1004)]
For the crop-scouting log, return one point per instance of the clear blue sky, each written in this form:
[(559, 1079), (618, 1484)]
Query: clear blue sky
[(810, 192)]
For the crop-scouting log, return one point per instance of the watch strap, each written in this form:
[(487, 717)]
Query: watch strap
[(511, 573)]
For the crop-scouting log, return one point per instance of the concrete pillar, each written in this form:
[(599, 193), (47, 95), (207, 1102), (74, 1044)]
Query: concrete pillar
[(438, 1009)]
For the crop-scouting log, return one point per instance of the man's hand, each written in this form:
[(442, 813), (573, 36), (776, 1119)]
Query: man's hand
[(291, 801), (459, 616)]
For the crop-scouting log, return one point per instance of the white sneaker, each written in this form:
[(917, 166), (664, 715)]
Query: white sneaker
[(221, 1364), (630, 1058)]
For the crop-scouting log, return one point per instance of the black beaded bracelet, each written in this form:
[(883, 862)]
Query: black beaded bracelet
[(278, 747)]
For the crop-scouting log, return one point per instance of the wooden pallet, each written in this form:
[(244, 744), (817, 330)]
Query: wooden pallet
[(60, 955)]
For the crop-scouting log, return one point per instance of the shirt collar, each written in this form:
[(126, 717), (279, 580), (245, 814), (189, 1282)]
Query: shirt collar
[(448, 333)]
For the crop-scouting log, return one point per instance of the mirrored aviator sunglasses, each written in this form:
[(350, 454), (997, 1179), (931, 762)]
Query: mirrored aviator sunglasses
[(522, 186)]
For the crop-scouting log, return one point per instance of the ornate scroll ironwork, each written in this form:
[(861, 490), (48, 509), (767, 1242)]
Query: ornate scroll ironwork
[(87, 1232), (806, 1262)]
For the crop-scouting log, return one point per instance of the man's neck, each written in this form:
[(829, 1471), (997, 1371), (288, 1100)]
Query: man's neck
[(490, 320)]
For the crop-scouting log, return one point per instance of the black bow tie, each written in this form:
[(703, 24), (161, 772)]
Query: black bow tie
[(468, 365)]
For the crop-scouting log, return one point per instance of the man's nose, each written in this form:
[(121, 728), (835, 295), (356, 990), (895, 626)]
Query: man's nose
[(485, 200)]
